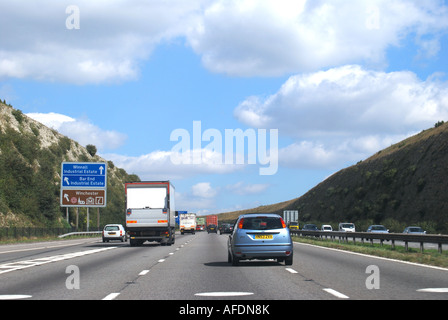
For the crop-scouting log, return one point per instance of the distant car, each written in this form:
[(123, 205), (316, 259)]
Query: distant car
[(377, 228), (326, 227), (212, 228), (347, 227), (293, 225), (260, 236), (310, 227), (414, 230), (225, 228), (114, 232)]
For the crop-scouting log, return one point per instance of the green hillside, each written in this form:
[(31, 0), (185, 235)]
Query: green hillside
[(405, 184), (30, 165)]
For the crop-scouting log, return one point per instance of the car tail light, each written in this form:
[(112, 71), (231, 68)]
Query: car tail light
[(240, 224), (128, 212), (283, 223)]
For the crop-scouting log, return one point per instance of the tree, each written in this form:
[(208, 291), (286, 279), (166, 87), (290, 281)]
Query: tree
[(91, 149)]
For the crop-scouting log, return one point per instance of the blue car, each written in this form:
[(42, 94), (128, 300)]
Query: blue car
[(260, 236)]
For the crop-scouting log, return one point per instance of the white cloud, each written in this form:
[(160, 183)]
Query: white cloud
[(332, 155), (158, 165), (247, 37), (203, 190), (81, 130), (113, 38), (52, 120), (347, 100), (236, 37), (346, 113), (243, 189), (200, 198)]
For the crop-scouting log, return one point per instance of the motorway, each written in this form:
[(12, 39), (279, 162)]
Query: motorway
[(196, 268)]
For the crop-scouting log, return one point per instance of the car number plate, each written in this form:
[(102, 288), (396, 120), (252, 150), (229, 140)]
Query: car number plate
[(264, 237), (111, 233)]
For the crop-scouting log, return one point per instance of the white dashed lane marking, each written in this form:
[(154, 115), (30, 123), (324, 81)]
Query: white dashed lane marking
[(19, 265), (111, 296), (336, 293)]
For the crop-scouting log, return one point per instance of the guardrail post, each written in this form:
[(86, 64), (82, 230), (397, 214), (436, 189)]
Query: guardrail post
[(439, 247), (421, 247)]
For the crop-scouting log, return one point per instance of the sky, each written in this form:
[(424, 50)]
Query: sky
[(239, 103)]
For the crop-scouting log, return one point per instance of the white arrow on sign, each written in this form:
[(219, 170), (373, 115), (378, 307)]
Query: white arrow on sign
[(101, 170), (66, 197), (66, 180)]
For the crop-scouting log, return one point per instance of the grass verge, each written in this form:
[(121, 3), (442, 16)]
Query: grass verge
[(429, 256), (44, 239)]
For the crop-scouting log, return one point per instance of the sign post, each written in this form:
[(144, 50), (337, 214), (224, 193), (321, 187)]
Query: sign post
[(83, 184)]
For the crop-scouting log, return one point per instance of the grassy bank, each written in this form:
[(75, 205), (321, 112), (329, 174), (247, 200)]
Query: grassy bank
[(428, 257)]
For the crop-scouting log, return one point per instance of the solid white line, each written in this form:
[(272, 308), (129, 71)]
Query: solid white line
[(143, 272), (374, 257), (336, 293), (14, 296), (291, 270), (111, 296), (223, 294), (434, 290)]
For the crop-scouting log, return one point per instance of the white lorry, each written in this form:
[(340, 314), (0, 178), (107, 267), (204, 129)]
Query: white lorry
[(150, 210), (187, 223)]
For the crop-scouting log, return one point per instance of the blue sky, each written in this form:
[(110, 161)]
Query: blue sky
[(338, 79)]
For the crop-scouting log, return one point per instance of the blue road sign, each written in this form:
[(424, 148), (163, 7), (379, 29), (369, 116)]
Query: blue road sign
[(85, 175)]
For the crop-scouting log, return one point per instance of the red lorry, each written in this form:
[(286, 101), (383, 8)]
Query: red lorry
[(212, 223)]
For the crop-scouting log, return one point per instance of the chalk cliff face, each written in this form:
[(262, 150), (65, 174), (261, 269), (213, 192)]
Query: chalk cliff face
[(30, 165)]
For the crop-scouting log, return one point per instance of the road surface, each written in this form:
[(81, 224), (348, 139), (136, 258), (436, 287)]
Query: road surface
[(196, 268)]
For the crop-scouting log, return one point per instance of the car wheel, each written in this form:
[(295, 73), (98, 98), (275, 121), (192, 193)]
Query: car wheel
[(288, 261), (235, 260)]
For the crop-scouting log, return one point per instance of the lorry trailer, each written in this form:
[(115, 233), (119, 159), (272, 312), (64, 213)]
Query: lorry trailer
[(150, 210)]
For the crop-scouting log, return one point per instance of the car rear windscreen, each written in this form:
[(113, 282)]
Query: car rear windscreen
[(261, 223)]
